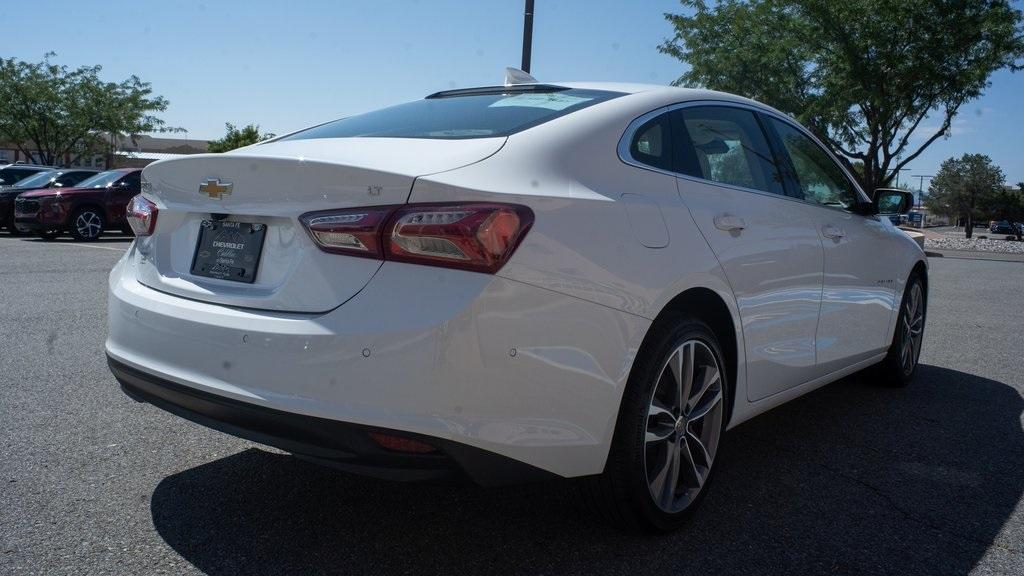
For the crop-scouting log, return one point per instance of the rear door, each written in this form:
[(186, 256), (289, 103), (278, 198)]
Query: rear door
[(766, 242), (858, 289)]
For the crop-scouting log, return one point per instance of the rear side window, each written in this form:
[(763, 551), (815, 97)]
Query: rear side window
[(462, 114), (728, 146), (651, 144), (819, 179)]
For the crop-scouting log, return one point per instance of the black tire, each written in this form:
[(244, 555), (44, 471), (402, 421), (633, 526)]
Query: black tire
[(895, 371), (87, 224), (47, 234), (623, 494)]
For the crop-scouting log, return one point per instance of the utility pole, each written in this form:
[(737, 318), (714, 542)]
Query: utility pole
[(527, 36), (920, 184), (898, 175)]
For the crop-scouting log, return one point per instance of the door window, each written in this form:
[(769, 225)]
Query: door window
[(818, 179), (728, 146)]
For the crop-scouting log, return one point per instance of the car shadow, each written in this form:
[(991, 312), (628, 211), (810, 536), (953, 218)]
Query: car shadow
[(852, 478)]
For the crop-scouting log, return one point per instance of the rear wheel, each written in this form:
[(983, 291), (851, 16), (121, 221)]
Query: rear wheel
[(669, 431), (901, 362), (87, 224)]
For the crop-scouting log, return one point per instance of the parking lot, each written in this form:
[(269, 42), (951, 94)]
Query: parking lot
[(850, 479)]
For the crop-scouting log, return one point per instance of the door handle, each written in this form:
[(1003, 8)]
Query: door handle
[(833, 232), (729, 223)]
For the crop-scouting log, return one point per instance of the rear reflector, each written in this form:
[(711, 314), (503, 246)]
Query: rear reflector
[(141, 215), (400, 444), (474, 236)]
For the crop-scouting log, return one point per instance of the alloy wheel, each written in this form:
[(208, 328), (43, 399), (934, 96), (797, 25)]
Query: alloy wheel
[(912, 328), (684, 426), (88, 224)]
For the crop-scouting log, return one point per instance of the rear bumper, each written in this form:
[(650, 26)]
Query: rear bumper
[(462, 359), (337, 444)]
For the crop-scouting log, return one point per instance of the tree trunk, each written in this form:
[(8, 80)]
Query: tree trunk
[(969, 225)]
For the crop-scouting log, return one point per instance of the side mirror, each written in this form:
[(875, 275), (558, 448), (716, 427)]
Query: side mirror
[(891, 201)]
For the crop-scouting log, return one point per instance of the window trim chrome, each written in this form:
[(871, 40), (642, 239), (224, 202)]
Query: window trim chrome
[(627, 158)]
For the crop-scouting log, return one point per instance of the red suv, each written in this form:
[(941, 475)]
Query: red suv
[(85, 211)]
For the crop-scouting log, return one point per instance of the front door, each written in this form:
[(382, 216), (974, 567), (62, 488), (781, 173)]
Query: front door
[(858, 297)]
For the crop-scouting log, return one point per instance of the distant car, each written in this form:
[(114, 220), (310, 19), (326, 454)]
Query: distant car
[(1001, 227), (85, 211), (12, 173), (38, 177)]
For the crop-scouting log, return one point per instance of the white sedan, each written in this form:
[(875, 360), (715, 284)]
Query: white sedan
[(513, 283)]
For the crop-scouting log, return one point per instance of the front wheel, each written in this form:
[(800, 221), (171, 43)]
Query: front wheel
[(669, 430), (901, 362)]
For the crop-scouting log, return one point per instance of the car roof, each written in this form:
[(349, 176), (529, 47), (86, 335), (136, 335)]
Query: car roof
[(669, 94)]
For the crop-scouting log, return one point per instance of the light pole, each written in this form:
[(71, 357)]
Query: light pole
[(920, 184), (527, 36)]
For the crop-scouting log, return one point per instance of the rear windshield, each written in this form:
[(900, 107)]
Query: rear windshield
[(462, 114)]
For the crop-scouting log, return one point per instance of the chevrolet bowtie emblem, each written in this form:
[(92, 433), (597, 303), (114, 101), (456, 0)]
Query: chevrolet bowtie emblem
[(214, 188)]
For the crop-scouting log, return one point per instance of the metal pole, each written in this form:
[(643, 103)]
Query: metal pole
[(527, 36)]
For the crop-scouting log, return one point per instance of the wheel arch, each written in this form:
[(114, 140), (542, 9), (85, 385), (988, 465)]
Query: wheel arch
[(710, 307)]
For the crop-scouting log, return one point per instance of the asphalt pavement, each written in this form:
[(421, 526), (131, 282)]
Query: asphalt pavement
[(851, 479)]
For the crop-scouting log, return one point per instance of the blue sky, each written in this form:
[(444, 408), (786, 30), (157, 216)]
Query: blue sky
[(287, 65)]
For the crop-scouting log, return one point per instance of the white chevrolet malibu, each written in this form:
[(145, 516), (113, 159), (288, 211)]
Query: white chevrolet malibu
[(514, 283)]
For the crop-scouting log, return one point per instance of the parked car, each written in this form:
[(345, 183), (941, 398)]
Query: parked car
[(12, 173), (84, 211), (512, 283), (1001, 227), (38, 180)]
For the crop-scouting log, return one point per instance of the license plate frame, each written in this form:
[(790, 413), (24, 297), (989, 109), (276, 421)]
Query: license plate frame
[(229, 250)]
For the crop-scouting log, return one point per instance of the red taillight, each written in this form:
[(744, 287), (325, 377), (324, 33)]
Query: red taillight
[(471, 236), (356, 232), (141, 214)]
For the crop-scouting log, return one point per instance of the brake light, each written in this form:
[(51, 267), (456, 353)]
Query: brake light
[(354, 232), (141, 214), (471, 236), (478, 237)]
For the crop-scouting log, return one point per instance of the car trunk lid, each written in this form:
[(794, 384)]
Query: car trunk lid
[(272, 184)]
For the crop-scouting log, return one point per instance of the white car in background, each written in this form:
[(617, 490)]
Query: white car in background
[(515, 283)]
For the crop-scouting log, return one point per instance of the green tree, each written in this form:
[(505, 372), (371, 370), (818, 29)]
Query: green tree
[(963, 187), (1005, 204), (236, 138), (863, 75), (55, 111)]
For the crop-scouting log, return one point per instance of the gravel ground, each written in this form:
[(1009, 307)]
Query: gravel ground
[(851, 479), (947, 242)]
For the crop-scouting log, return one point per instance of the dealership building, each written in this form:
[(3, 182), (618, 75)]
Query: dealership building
[(138, 152)]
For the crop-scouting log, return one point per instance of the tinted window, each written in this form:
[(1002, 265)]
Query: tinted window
[(133, 179), (818, 178), (38, 180), (71, 178), (730, 148), (100, 180), (9, 176), (473, 114), (650, 143)]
